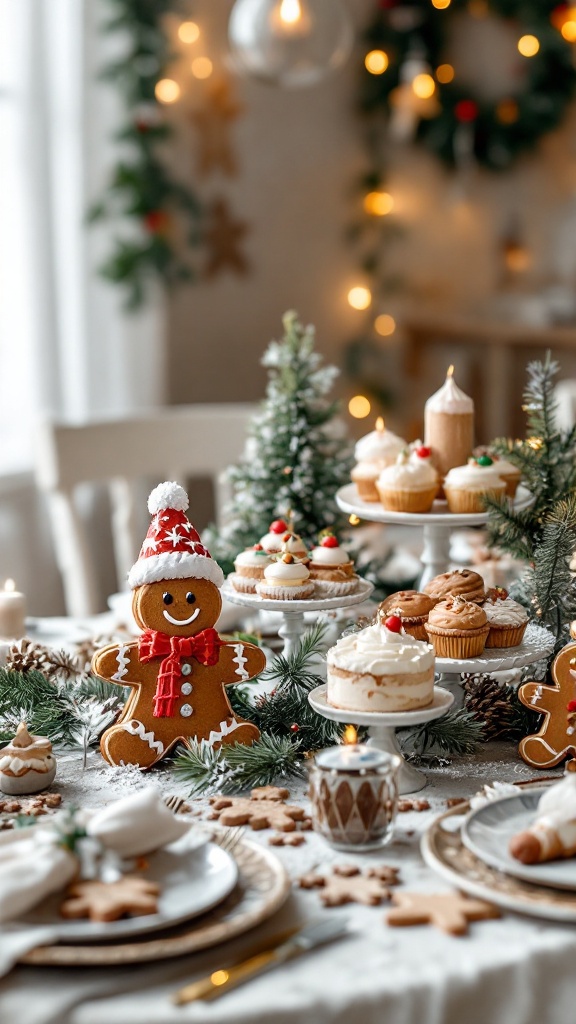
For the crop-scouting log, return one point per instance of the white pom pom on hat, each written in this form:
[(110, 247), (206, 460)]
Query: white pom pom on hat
[(168, 495)]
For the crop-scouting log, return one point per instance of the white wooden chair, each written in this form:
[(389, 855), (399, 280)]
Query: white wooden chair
[(176, 443)]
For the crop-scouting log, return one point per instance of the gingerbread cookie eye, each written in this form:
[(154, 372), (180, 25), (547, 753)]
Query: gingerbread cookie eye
[(167, 598), (190, 597)]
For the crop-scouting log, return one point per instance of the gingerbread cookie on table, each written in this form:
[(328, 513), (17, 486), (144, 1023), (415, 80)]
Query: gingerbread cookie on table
[(556, 737), (179, 668)]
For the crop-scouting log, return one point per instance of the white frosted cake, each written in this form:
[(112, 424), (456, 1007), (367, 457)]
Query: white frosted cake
[(381, 668)]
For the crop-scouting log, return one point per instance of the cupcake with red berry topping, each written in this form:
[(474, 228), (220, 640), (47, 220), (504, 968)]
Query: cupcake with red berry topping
[(411, 484), (332, 569), (272, 541), (249, 568)]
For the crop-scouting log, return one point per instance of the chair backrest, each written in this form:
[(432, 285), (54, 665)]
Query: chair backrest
[(176, 443)]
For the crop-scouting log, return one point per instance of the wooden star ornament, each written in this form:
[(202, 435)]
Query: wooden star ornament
[(449, 911), (222, 238), (212, 123)]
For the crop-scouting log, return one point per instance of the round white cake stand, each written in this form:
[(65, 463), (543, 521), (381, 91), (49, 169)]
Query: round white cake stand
[(537, 643), (382, 728), (293, 612), (437, 524)]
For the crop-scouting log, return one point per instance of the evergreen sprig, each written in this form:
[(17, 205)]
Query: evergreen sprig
[(456, 733), (236, 766)]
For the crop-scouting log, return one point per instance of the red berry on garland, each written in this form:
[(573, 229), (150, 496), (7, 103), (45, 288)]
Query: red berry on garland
[(156, 221), (423, 452), (278, 526), (393, 623), (466, 111), (329, 541), (294, 727)]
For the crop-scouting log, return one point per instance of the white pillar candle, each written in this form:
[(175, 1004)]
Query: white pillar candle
[(12, 612), (449, 425)]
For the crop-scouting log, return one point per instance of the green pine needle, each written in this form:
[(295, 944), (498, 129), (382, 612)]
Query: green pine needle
[(456, 733), (238, 766)]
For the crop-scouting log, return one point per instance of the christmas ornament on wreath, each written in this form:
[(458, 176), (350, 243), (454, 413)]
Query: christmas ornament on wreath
[(180, 666), (410, 73)]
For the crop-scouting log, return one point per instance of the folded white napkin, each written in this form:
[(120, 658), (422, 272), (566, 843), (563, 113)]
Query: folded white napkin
[(32, 866), (137, 824)]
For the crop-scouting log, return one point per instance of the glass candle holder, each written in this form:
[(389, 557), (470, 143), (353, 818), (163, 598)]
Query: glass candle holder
[(354, 795)]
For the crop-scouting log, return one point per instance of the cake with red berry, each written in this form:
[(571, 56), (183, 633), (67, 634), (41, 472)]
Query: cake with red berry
[(332, 569), (411, 607), (272, 541), (411, 484), (249, 568), (381, 668)]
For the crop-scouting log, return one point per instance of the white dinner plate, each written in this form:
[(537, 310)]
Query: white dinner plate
[(488, 831), (192, 880)]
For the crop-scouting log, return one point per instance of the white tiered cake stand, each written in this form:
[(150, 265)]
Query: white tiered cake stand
[(438, 524), (293, 612), (382, 728)]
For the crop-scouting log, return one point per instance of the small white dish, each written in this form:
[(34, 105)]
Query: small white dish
[(487, 832)]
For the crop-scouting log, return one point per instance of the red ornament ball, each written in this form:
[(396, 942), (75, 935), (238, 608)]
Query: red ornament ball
[(294, 727), (423, 452), (329, 541), (466, 111), (278, 526), (393, 623)]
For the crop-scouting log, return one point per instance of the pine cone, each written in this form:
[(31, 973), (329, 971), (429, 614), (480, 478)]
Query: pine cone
[(26, 655), (494, 705), (87, 649), (61, 665)]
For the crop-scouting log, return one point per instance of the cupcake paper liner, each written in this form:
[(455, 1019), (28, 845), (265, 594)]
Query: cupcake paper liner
[(286, 593), (455, 645), (244, 584), (462, 501), (506, 636), (330, 588), (396, 500), (366, 489)]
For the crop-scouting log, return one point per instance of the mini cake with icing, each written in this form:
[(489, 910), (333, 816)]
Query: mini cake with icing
[(552, 835), (507, 619), (286, 579), (381, 668), (292, 544), (457, 628), (506, 470), (249, 569), (27, 763), (373, 453), (411, 484), (467, 487), (460, 583), (272, 541), (411, 607), (332, 569)]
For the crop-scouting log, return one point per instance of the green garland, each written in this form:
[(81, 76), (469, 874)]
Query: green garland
[(499, 130), (141, 193)]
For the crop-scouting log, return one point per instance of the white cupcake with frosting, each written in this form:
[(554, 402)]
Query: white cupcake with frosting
[(507, 619), (467, 487), (286, 579), (381, 669), (249, 568), (27, 763), (373, 453), (332, 569), (271, 542), (411, 484)]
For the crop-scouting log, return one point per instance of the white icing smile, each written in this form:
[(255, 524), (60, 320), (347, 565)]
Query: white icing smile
[(181, 622)]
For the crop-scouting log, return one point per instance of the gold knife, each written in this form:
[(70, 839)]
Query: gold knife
[(224, 980)]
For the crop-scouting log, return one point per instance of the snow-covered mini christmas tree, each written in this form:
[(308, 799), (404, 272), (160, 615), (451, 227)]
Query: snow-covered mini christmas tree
[(297, 454)]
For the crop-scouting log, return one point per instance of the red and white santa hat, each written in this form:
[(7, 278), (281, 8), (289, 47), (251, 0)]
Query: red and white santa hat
[(172, 549)]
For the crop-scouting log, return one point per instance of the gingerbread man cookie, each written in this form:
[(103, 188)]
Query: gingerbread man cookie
[(179, 668), (556, 737)]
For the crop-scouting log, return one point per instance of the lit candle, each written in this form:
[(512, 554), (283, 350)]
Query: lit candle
[(12, 612), (449, 425)]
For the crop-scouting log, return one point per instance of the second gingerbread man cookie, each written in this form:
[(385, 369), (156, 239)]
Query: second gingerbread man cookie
[(180, 666), (556, 737)]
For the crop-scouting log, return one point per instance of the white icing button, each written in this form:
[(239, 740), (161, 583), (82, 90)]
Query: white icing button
[(186, 688), (186, 710), (186, 670)]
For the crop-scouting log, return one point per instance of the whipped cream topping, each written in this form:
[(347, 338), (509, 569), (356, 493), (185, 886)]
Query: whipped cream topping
[(253, 558), (505, 613), (271, 542), (411, 473), (449, 398), (286, 573), (475, 478), (293, 544), (329, 556), (379, 446), (557, 808), (380, 651)]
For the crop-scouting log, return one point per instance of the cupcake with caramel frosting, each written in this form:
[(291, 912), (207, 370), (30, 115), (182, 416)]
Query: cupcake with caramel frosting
[(457, 628), (411, 607), (27, 763), (332, 569), (460, 583)]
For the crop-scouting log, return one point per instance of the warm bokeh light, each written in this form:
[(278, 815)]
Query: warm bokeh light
[(507, 111), (568, 31), (359, 297), (378, 203), (350, 735), (376, 62), (359, 407), (354, 520), (380, 424), (517, 258), (528, 45), (290, 12), (441, 5), (450, 371), (201, 67), (188, 32), (219, 977), (385, 325), (445, 73), (478, 8), (423, 86), (167, 90)]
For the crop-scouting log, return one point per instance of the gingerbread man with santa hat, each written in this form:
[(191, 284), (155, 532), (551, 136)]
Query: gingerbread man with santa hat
[(179, 668)]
